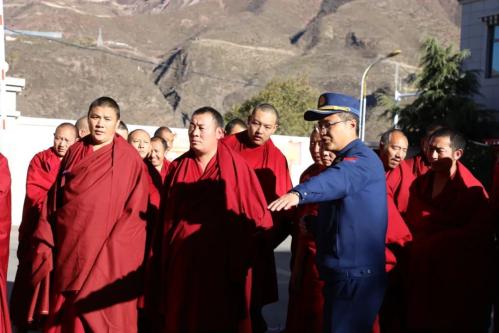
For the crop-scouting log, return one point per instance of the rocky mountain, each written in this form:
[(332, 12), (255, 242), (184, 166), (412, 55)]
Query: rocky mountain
[(161, 59)]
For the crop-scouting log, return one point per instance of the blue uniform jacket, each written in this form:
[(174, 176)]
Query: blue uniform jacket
[(351, 226)]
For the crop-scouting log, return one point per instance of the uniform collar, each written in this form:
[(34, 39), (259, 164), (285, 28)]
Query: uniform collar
[(348, 147)]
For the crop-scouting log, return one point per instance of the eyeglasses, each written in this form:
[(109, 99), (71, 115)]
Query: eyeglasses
[(328, 125)]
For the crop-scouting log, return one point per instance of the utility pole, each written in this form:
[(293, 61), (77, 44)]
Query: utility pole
[(396, 97)]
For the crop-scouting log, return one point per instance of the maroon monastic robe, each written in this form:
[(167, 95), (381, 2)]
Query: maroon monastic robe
[(450, 274), (399, 180), (305, 307), (5, 224), (397, 232), (211, 222), (42, 173), (495, 190), (156, 181), (271, 168), (398, 183), (93, 230)]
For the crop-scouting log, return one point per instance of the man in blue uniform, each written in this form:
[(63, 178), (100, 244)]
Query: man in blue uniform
[(351, 226)]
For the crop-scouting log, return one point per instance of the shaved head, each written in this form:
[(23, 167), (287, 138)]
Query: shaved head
[(262, 123), (122, 130), (82, 126), (267, 108), (72, 128), (166, 134), (393, 148), (235, 126), (64, 136), (141, 141)]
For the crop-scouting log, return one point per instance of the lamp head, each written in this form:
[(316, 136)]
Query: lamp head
[(393, 53)]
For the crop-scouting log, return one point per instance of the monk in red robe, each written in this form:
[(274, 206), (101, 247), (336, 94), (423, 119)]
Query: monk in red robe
[(398, 183), (271, 167), (399, 179), (157, 159), (393, 147), (213, 212), (42, 173), (305, 306), (5, 223), (158, 167), (450, 258), (93, 230)]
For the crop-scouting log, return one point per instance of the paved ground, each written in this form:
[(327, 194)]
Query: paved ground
[(274, 313)]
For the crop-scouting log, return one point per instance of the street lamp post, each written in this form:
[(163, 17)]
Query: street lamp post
[(362, 108)]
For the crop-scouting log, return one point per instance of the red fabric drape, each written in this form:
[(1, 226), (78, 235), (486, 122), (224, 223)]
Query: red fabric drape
[(5, 224), (305, 307), (271, 168), (450, 272), (398, 183), (93, 229), (42, 173), (211, 220)]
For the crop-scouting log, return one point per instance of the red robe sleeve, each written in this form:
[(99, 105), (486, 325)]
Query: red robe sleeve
[(5, 214), (5, 224)]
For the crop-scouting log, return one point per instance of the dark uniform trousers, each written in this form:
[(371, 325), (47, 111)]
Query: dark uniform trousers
[(352, 300)]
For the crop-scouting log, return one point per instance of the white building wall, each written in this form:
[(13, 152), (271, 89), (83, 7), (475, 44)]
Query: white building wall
[(474, 38), (26, 136)]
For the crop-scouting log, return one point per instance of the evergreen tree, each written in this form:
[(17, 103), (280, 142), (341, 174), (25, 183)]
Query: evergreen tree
[(291, 97), (445, 94)]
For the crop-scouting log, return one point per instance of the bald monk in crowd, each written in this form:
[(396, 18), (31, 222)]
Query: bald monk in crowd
[(256, 147), (393, 150), (450, 274), (398, 183), (82, 126), (399, 179), (235, 126), (393, 147), (157, 157), (213, 212), (42, 173), (166, 134), (158, 167), (93, 230), (5, 224), (122, 130), (141, 141), (305, 306)]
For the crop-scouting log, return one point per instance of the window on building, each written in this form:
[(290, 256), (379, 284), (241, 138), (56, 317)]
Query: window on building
[(494, 51)]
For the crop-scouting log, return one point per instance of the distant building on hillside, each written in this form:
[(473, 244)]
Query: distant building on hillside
[(480, 35), (13, 87)]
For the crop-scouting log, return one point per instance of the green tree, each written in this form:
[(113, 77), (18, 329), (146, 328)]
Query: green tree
[(291, 97), (445, 94)]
